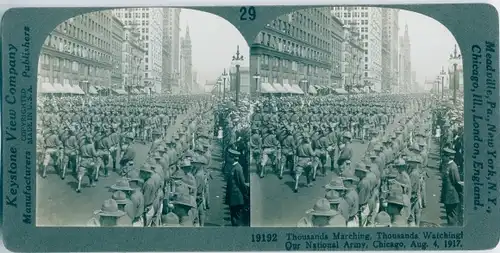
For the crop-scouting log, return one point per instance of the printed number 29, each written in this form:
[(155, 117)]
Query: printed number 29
[(247, 13)]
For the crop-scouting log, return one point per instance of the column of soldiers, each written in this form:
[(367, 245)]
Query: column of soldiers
[(386, 187), (91, 137)]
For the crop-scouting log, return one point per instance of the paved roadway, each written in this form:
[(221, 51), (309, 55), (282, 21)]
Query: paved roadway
[(274, 204), (58, 204)]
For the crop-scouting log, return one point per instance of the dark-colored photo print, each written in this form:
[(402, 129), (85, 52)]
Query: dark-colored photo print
[(140, 121), (357, 120)]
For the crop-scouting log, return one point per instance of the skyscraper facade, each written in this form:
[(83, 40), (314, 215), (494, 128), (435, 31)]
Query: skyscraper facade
[(186, 69), (295, 49), (405, 61), (368, 22), (171, 33), (79, 52), (149, 22)]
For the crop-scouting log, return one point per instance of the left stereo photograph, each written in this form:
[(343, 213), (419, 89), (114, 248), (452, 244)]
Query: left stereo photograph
[(142, 121)]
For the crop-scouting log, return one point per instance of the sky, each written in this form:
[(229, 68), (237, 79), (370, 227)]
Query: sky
[(214, 41), (431, 44)]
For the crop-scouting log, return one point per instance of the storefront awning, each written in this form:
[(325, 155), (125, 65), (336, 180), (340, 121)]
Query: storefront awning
[(297, 89), (46, 88), (279, 88), (120, 91), (319, 87), (67, 89), (312, 90), (267, 88), (289, 88), (58, 88), (340, 91), (92, 90), (77, 90)]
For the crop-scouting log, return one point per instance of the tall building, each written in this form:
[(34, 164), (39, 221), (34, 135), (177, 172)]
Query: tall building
[(133, 57), (390, 48), (171, 50), (353, 57), (78, 52), (149, 22), (186, 69), (295, 49), (413, 81), (337, 40), (368, 21), (405, 61), (166, 52), (117, 40)]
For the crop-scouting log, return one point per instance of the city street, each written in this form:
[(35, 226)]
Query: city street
[(274, 204), (58, 204)]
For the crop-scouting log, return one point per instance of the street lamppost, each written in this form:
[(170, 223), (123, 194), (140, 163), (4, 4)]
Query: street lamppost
[(219, 82), (225, 76), (443, 73), (238, 60), (256, 76), (455, 59), (438, 81)]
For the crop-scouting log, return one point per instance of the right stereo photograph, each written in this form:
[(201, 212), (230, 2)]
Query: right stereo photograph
[(356, 120)]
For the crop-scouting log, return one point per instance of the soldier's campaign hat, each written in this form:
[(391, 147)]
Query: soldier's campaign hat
[(234, 152), (419, 134), (199, 148), (110, 209), (121, 185), (414, 147), (413, 159), (449, 151), (382, 219), (189, 154), (183, 199), (176, 137), (386, 141), (361, 167), (347, 161), (157, 155), (134, 176), (336, 184), (156, 132), (333, 197), (147, 168), (170, 220), (120, 197), (422, 144), (186, 163), (178, 174), (395, 198), (348, 135), (322, 208), (400, 162), (373, 155), (129, 136), (377, 148), (161, 148), (202, 160)]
